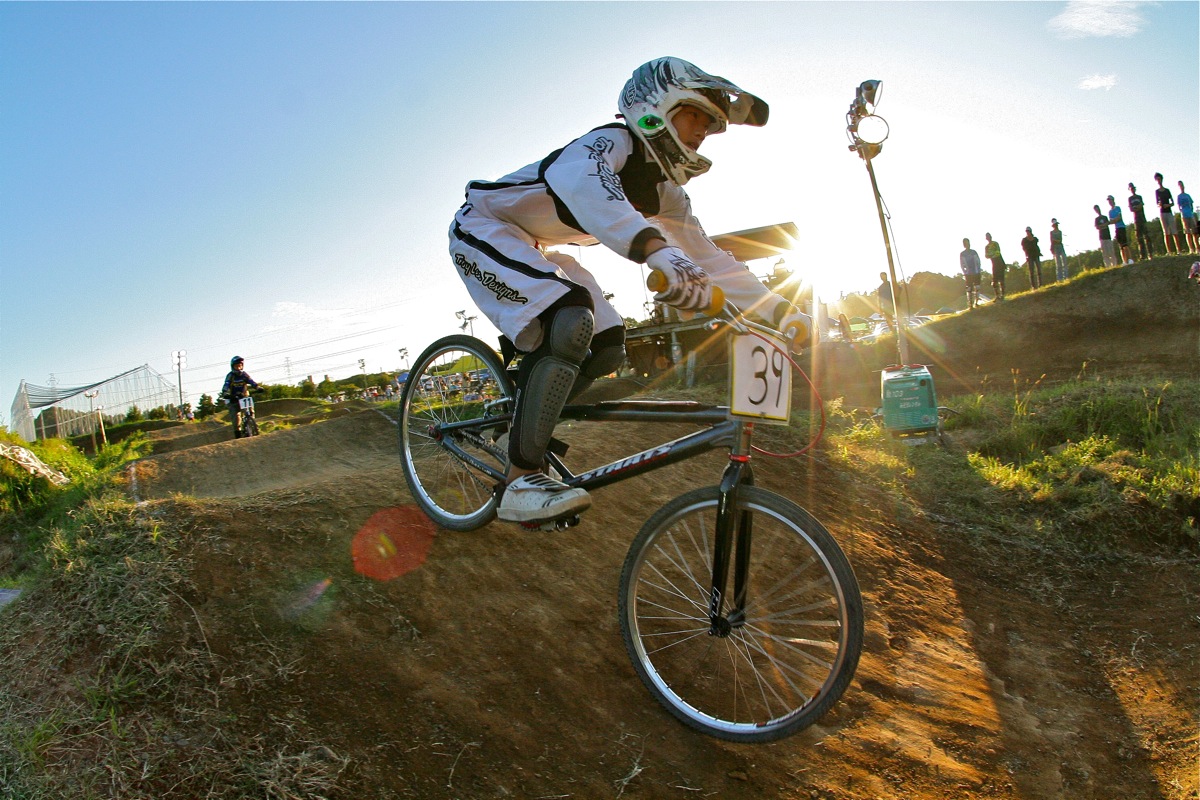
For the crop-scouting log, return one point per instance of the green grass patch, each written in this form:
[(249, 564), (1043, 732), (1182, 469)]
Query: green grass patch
[(1087, 464), (111, 689)]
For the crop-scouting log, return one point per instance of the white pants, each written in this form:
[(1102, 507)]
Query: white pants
[(512, 281)]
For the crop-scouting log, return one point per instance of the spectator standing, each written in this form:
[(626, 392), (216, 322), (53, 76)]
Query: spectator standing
[(1033, 258), (1139, 224), (1106, 243), (992, 253), (1166, 216), (1120, 234), (887, 302), (968, 262), (1056, 250), (1188, 212)]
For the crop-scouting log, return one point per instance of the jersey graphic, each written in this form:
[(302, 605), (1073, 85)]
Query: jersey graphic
[(608, 179), (488, 280)]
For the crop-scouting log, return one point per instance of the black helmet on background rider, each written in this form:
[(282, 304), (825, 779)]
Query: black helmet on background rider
[(236, 361)]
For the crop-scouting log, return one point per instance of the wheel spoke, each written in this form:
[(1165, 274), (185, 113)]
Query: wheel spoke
[(444, 386), (769, 674)]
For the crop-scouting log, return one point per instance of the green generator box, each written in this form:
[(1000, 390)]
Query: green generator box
[(909, 400)]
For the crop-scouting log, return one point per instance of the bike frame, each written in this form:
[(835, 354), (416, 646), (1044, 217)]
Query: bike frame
[(722, 431), (246, 412)]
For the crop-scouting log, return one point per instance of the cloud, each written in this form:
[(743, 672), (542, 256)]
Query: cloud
[(1097, 82), (1084, 18)]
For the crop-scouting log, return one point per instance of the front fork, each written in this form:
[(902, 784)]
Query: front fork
[(734, 537)]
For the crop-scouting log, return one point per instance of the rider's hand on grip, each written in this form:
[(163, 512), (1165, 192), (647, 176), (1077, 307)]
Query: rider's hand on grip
[(680, 283), (798, 328)]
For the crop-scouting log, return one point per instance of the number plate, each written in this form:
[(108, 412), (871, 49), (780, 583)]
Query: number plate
[(762, 381), (246, 402)]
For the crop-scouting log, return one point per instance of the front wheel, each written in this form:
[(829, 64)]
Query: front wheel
[(456, 380), (249, 426), (755, 678)]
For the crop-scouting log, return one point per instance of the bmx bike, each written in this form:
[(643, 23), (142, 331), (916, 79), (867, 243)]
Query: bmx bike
[(247, 425), (739, 611)]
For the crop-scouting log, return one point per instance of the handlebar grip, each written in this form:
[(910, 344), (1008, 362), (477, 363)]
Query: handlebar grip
[(658, 282)]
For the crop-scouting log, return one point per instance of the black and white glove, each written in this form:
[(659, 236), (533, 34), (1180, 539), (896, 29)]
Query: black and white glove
[(687, 286)]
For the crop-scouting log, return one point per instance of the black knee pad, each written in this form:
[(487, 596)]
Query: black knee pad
[(608, 353), (544, 382)]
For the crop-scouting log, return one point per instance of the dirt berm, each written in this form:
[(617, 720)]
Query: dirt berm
[(495, 668)]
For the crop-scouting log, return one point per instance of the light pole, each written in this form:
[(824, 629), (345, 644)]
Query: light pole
[(867, 132), (362, 364), (179, 358), (909, 397), (96, 417), (466, 321), (91, 396), (404, 358)]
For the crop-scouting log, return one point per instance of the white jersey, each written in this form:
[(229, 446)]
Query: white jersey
[(600, 187)]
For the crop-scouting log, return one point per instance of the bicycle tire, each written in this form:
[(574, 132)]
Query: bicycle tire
[(250, 426), (790, 661), (451, 492)]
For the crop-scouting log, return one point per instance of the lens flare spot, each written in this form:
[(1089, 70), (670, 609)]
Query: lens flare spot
[(305, 599), (393, 542)]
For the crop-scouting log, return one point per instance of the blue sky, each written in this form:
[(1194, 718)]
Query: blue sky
[(276, 180)]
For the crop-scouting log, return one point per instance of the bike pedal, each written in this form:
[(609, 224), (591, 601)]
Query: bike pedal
[(551, 525)]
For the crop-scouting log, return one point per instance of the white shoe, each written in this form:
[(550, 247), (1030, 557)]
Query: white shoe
[(540, 498)]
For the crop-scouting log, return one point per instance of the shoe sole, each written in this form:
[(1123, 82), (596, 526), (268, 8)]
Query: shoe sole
[(539, 516)]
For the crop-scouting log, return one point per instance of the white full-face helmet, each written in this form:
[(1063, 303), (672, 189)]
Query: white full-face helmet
[(660, 86)]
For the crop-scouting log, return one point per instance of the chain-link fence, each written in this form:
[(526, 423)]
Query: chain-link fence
[(46, 412)]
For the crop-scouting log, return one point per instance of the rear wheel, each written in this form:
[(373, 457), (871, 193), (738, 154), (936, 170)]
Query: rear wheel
[(757, 677), (456, 379)]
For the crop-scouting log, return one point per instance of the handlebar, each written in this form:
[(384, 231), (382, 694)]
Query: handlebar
[(724, 312)]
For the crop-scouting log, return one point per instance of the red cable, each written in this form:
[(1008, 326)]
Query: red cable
[(816, 395)]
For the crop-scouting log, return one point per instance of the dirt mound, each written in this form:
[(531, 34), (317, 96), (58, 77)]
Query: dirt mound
[(346, 446), (288, 407), (495, 667), (1142, 319)]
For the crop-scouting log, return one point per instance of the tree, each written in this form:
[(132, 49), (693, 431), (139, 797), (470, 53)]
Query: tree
[(205, 407), (134, 414)]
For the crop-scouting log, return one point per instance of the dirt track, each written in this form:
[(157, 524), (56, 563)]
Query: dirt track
[(496, 668)]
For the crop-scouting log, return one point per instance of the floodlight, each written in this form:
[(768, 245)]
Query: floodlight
[(869, 92), (872, 129)]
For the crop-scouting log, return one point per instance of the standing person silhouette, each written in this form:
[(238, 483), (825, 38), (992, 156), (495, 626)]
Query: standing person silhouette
[(1058, 251), (992, 253), (1033, 258), (1120, 234), (1187, 211), (1166, 217), (887, 301), (1107, 249), (1145, 250), (968, 262)]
